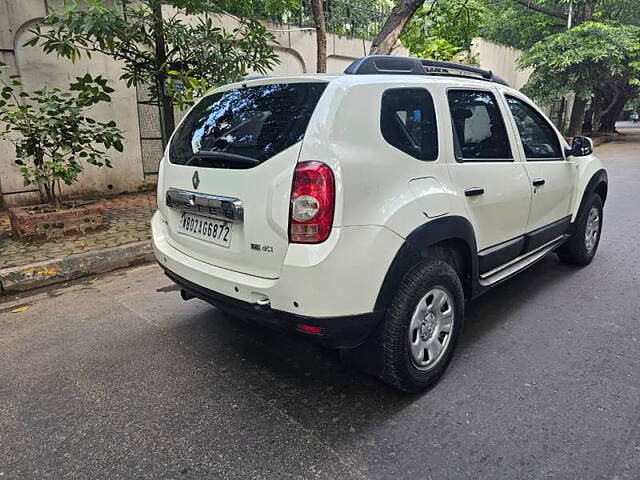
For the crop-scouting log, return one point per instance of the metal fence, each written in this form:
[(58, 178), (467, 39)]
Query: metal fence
[(151, 140), (343, 17)]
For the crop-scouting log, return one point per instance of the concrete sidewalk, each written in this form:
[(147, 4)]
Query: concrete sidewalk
[(123, 242)]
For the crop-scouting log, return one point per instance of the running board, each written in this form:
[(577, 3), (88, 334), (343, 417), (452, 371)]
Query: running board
[(521, 264)]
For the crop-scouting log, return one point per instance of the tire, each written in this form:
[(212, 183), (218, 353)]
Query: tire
[(580, 249), (405, 331)]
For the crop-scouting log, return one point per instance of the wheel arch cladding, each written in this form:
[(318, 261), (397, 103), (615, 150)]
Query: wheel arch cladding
[(598, 183), (453, 231)]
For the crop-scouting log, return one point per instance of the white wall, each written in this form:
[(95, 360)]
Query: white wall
[(501, 60), (38, 69)]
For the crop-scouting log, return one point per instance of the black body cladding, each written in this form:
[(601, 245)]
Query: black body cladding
[(459, 229)]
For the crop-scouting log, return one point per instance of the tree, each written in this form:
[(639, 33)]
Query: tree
[(404, 10), (511, 24), (390, 31), (180, 59), (520, 23), (538, 7), (53, 135), (591, 58), (280, 10), (442, 28), (317, 8)]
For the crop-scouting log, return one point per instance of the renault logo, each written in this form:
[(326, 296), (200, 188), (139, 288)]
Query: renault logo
[(195, 180)]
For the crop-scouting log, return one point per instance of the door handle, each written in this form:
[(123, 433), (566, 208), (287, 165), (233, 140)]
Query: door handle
[(473, 191), (538, 182)]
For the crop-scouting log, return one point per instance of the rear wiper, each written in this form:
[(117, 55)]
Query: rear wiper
[(225, 157)]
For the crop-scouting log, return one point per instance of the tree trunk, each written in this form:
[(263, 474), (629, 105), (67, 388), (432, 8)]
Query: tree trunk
[(577, 117), (43, 194), (55, 198), (50, 193), (392, 28), (609, 118), (167, 121), (321, 35), (599, 101)]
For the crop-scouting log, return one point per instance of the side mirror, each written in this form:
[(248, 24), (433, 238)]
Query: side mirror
[(580, 147)]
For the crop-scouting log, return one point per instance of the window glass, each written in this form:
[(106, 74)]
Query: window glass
[(245, 127), (478, 125), (538, 138), (408, 122)]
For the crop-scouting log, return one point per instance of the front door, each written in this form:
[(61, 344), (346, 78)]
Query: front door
[(552, 177), (492, 181)]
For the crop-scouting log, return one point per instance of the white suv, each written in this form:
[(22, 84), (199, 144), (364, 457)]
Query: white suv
[(363, 209)]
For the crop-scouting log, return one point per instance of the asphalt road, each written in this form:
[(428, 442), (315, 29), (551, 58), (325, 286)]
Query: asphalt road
[(116, 377)]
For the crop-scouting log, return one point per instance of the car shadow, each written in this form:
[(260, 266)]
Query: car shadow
[(533, 285), (310, 383)]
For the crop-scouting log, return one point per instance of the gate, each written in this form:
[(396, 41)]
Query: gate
[(151, 139)]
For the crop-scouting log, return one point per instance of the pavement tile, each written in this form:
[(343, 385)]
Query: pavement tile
[(126, 219)]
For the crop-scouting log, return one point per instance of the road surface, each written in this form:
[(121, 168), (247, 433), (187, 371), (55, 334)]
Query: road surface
[(116, 377)]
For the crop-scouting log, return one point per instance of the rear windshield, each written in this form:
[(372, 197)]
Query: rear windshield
[(245, 127)]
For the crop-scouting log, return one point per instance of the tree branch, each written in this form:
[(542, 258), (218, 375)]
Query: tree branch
[(542, 9), (392, 27)]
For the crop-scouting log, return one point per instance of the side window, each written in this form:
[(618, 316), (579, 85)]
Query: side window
[(479, 129), (539, 140), (408, 122)]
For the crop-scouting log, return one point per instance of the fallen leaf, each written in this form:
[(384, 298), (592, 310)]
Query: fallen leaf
[(20, 309)]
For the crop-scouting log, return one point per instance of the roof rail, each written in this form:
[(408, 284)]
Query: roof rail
[(385, 64)]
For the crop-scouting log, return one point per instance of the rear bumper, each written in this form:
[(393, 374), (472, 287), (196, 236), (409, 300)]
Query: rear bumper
[(332, 286), (334, 332), (337, 278)]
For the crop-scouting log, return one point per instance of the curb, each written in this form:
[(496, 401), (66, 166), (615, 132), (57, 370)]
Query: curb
[(49, 272)]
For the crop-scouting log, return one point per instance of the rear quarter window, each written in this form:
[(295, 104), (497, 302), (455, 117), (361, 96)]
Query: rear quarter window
[(408, 122), (244, 127)]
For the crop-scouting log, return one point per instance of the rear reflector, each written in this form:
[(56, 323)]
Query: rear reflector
[(312, 203), (301, 327)]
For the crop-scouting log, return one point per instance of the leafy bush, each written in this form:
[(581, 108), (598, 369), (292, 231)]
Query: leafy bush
[(52, 134)]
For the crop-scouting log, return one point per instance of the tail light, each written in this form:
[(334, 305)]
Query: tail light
[(312, 203)]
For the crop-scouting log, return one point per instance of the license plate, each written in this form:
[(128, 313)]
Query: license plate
[(205, 228)]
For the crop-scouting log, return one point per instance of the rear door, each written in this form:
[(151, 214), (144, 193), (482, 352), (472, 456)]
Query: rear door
[(553, 177), (225, 185)]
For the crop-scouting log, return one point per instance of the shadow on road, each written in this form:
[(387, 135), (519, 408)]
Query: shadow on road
[(304, 379)]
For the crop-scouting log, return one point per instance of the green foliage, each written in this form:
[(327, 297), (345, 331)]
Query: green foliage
[(199, 54), (516, 26), (584, 59), (442, 28), (355, 18), (633, 105), (52, 134), (625, 12), (274, 9)]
